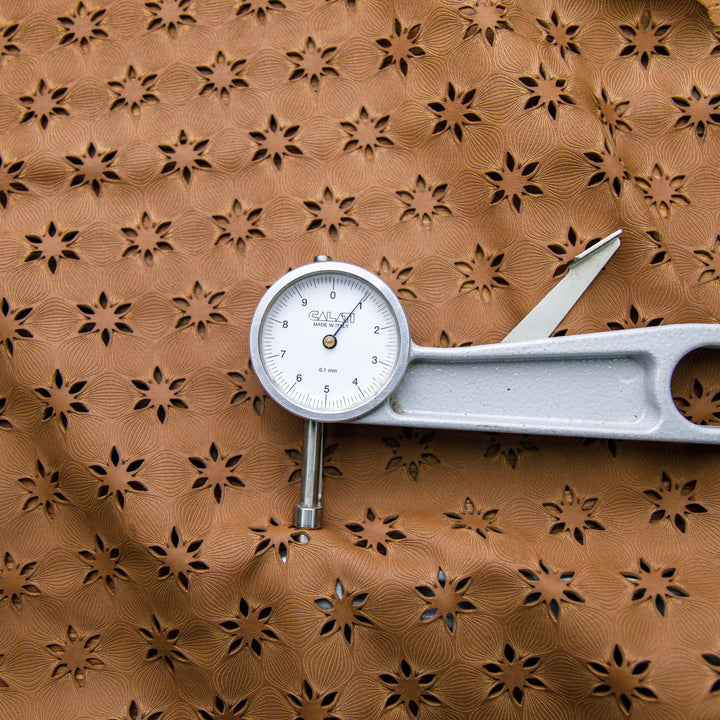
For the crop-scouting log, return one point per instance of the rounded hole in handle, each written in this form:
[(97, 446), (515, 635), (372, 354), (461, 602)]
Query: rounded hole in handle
[(695, 386)]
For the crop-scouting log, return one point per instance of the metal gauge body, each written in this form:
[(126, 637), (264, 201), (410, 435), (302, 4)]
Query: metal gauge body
[(329, 341)]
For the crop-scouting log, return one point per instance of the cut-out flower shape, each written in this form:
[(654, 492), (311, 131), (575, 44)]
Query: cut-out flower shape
[(514, 674), (485, 18), (625, 679), (612, 113), (160, 393), (104, 564), (178, 559), (698, 111), (366, 134), (216, 471), (343, 612), (409, 688), (645, 40), (313, 704), (607, 168), (133, 91), (573, 515), (410, 450), (105, 318), (93, 169), (75, 656), (61, 399), (223, 710), (5, 424), (259, 8), (118, 477), (567, 250), (15, 581), (82, 26), (10, 180), (400, 47), (660, 252), (169, 15), (147, 238), (12, 325), (396, 278), (713, 659), (674, 501), (3, 683), (52, 246), (550, 587), (482, 273), (163, 644), (279, 536), (513, 182), (313, 63), (424, 202), (7, 37), (239, 226), (711, 261), (43, 490), (510, 448), (185, 157), (700, 406), (328, 470), (560, 35), (474, 518), (453, 112), (546, 91), (222, 76), (635, 319), (44, 103), (134, 713), (248, 387), (445, 600), (654, 584), (200, 310), (376, 532), (662, 191), (331, 213), (249, 629), (276, 142)]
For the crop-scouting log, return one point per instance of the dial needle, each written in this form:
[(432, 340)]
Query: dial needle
[(348, 316)]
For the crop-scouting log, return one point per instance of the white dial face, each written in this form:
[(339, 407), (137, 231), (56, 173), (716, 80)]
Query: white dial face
[(329, 342)]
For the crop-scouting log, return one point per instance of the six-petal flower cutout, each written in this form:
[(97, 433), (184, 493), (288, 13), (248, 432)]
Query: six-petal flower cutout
[(710, 258), (280, 536), (366, 134), (313, 63), (331, 213), (573, 515), (513, 182), (133, 91), (510, 447), (699, 111), (607, 168), (184, 157), (396, 278), (485, 18), (454, 112), (163, 644), (118, 477), (224, 710), (169, 15), (567, 250), (645, 40), (147, 238), (445, 600), (7, 40), (43, 104), (199, 310), (75, 656), (514, 674), (134, 713), (10, 183), (701, 405), (249, 628), (546, 91), (675, 501), (376, 532), (400, 47), (343, 612), (105, 318), (239, 226), (622, 678), (52, 246), (662, 190), (411, 450), (475, 519), (259, 8), (612, 113), (654, 584), (160, 393), (313, 704), (713, 659), (222, 76), (5, 424), (410, 688), (248, 387), (15, 581), (82, 26), (550, 587), (216, 471), (61, 399), (634, 318), (328, 470), (275, 143), (104, 565), (12, 325), (560, 35), (178, 559), (482, 273), (94, 168), (424, 202), (43, 490)]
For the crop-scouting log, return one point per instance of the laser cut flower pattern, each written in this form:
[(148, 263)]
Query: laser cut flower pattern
[(163, 644), (118, 477), (160, 393), (612, 113), (396, 278), (573, 515), (700, 406), (366, 134), (699, 111), (424, 202), (635, 319), (654, 584), (200, 310), (475, 519), (10, 183), (248, 387), (105, 318), (7, 38), (169, 15), (400, 47), (546, 91), (43, 490), (61, 399), (411, 451), (453, 112), (485, 18), (624, 679), (711, 262), (550, 588), (313, 704), (5, 424), (607, 168), (178, 559), (662, 191), (52, 246), (75, 656), (147, 238), (224, 710), (513, 182), (104, 564), (239, 226), (134, 713), (184, 157), (714, 661), (222, 76), (482, 274), (279, 536), (15, 581), (43, 104), (259, 8), (343, 612), (134, 91), (514, 674), (331, 214), (675, 501), (82, 27), (410, 688), (313, 63), (645, 40), (249, 628), (275, 143), (12, 325), (376, 532), (567, 250), (328, 470), (445, 600), (510, 448), (94, 169), (216, 471), (560, 35)]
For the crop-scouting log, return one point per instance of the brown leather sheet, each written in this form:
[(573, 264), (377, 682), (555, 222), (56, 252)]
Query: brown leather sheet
[(161, 163)]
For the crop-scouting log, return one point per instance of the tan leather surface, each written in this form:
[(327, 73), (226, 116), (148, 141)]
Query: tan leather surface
[(162, 163)]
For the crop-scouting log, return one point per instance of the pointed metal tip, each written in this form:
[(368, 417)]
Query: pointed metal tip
[(597, 246)]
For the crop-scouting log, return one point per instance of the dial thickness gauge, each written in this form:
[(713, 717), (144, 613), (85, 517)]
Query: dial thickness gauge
[(329, 341)]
